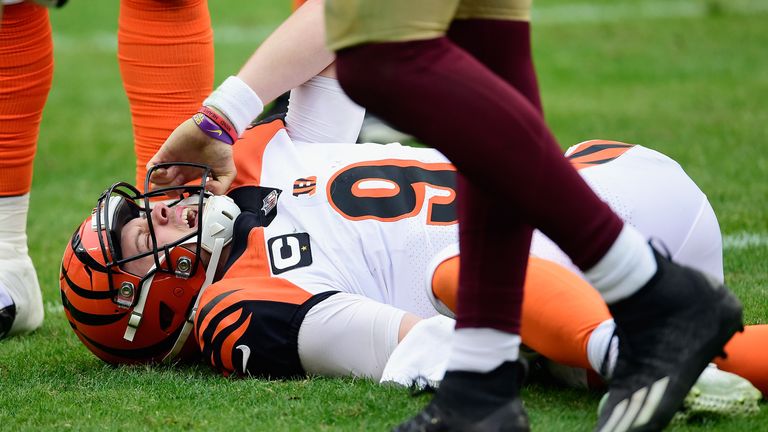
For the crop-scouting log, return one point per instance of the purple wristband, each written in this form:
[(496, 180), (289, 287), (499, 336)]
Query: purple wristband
[(210, 128)]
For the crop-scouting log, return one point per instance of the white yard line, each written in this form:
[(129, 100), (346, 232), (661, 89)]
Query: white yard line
[(745, 240), (575, 13)]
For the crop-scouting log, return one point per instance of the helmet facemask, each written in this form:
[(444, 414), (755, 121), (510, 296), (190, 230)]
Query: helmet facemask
[(177, 266), (121, 203)]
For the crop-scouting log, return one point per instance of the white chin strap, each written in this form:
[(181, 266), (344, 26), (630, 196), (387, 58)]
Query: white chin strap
[(210, 272), (138, 311)]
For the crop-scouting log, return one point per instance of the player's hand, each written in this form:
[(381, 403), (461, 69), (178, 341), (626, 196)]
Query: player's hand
[(189, 144)]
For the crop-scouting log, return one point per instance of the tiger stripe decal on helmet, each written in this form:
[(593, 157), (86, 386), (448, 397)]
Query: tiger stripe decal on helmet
[(596, 152)]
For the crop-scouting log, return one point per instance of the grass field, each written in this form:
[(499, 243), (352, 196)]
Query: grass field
[(689, 78)]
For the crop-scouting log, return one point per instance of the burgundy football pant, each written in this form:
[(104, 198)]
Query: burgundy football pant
[(473, 95)]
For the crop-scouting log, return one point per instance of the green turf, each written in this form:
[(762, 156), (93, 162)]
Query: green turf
[(692, 85)]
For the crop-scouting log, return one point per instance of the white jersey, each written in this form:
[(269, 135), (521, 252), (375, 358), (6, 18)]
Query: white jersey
[(375, 215)]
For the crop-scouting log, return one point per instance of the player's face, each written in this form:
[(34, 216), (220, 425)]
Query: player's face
[(169, 224)]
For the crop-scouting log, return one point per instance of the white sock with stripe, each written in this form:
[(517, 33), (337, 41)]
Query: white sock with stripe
[(600, 341)]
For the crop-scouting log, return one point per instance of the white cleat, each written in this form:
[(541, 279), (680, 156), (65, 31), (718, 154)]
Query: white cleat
[(18, 280), (718, 392), (21, 303)]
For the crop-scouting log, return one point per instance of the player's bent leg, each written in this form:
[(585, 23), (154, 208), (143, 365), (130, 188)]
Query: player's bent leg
[(403, 82), (494, 285), (26, 72), (551, 294), (165, 52)]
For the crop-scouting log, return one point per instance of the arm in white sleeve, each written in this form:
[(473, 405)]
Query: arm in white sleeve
[(292, 54), (349, 335), (320, 111)]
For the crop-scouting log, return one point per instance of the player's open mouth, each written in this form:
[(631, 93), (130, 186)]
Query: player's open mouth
[(189, 216)]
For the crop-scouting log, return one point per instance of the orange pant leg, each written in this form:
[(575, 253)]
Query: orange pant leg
[(748, 356), (26, 72), (165, 51), (560, 309)]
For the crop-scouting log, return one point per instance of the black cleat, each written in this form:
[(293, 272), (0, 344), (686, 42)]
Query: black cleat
[(475, 402), (7, 315), (668, 332)]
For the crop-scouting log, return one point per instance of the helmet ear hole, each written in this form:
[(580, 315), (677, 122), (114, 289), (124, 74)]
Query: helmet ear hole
[(166, 316)]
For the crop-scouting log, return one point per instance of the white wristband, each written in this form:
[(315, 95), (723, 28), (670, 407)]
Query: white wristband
[(237, 101)]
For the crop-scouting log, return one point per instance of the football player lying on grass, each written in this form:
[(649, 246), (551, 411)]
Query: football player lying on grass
[(336, 259)]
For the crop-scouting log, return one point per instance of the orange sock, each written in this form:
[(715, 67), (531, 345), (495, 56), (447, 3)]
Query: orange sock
[(26, 72), (748, 356), (165, 51), (560, 309)]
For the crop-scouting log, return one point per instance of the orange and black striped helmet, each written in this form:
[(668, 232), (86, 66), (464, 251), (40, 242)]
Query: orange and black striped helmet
[(127, 318)]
